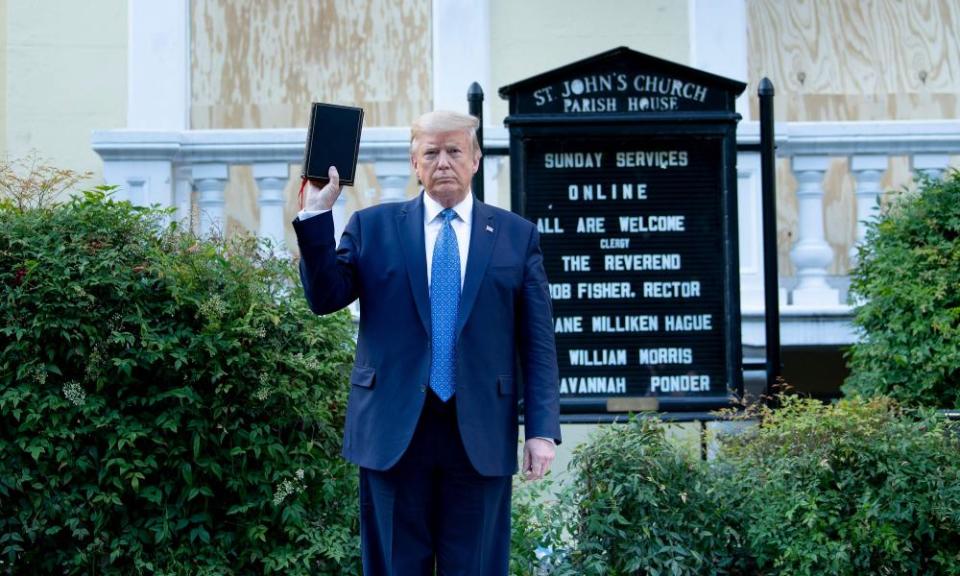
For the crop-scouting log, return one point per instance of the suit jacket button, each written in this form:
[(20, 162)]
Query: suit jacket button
[(423, 388)]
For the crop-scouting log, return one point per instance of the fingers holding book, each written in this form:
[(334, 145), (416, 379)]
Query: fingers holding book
[(322, 194)]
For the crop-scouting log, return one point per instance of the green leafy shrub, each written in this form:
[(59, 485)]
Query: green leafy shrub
[(638, 505), (858, 487), (907, 282), (168, 404)]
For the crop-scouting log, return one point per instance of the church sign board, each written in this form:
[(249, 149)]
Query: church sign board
[(627, 165)]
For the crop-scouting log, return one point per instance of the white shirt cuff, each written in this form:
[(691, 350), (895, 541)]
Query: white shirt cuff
[(550, 440), (307, 214)]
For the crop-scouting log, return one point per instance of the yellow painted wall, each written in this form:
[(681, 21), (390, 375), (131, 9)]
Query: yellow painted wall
[(532, 36), (260, 64), (66, 67)]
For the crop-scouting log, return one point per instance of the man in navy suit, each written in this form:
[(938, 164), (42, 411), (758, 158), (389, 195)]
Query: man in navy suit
[(455, 334)]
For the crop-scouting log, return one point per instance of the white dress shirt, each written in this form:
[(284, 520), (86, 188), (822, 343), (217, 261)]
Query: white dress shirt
[(461, 227)]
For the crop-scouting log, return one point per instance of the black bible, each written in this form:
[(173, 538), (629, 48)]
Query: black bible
[(333, 139)]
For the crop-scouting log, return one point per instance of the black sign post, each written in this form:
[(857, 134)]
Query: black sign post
[(627, 164)]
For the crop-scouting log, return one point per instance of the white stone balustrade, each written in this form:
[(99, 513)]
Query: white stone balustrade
[(811, 254), (931, 165), (210, 180), (271, 180), (867, 170), (166, 167)]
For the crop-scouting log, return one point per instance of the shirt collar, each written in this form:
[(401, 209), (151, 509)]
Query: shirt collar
[(432, 208)]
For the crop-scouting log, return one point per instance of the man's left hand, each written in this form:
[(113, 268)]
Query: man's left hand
[(538, 454)]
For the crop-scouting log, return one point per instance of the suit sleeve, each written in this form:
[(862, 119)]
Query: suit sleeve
[(538, 352), (328, 274)]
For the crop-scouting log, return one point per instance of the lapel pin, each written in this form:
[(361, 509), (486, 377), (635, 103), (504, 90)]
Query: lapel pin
[(489, 228)]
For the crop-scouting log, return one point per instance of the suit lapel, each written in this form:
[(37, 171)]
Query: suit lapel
[(483, 235), (410, 230)]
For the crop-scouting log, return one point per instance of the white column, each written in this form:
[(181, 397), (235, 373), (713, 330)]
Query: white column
[(182, 196), (461, 52), (142, 182), (750, 228), (210, 180), (812, 255), (393, 176), (718, 42), (491, 179), (931, 165), (339, 217), (158, 64), (271, 179), (867, 169)]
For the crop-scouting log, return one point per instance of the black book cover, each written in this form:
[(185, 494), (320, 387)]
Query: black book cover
[(333, 139)]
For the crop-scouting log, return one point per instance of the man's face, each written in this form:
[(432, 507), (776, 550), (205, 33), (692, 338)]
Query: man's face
[(445, 162)]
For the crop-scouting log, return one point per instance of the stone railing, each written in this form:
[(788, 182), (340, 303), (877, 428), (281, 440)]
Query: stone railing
[(166, 168)]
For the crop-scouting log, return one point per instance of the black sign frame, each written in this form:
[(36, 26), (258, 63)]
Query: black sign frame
[(528, 129)]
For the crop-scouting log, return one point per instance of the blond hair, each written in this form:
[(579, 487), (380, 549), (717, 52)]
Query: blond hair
[(444, 121)]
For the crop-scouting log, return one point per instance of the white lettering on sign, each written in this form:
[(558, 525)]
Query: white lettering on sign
[(626, 262), (593, 385), (614, 243), (683, 383), (600, 290), (543, 95), (674, 289), (653, 159), (603, 357), (589, 104), (625, 323), (638, 224), (658, 88), (579, 263), (591, 225), (568, 324), (560, 291), (652, 104), (598, 192), (688, 322), (549, 226), (655, 356), (593, 83), (573, 160), (669, 87)]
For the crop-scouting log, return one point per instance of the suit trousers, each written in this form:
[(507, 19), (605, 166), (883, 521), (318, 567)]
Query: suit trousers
[(432, 512)]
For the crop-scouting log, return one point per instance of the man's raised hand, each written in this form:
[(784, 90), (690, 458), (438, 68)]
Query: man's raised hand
[(317, 198)]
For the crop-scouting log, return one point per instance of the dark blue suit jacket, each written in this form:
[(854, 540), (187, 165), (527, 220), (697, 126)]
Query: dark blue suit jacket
[(504, 332)]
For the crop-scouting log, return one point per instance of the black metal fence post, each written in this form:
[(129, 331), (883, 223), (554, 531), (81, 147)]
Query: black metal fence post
[(475, 102), (771, 286)]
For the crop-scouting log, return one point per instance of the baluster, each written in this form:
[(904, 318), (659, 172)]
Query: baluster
[(271, 180), (491, 185), (210, 181), (182, 196), (393, 176), (339, 217), (867, 169), (931, 165), (812, 255)]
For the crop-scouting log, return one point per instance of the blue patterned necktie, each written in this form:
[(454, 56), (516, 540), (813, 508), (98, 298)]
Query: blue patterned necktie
[(444, 307)]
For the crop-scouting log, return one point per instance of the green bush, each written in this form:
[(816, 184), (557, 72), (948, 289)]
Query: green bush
[(859, 487), (638, 505), (907, 284), (168, 404)]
